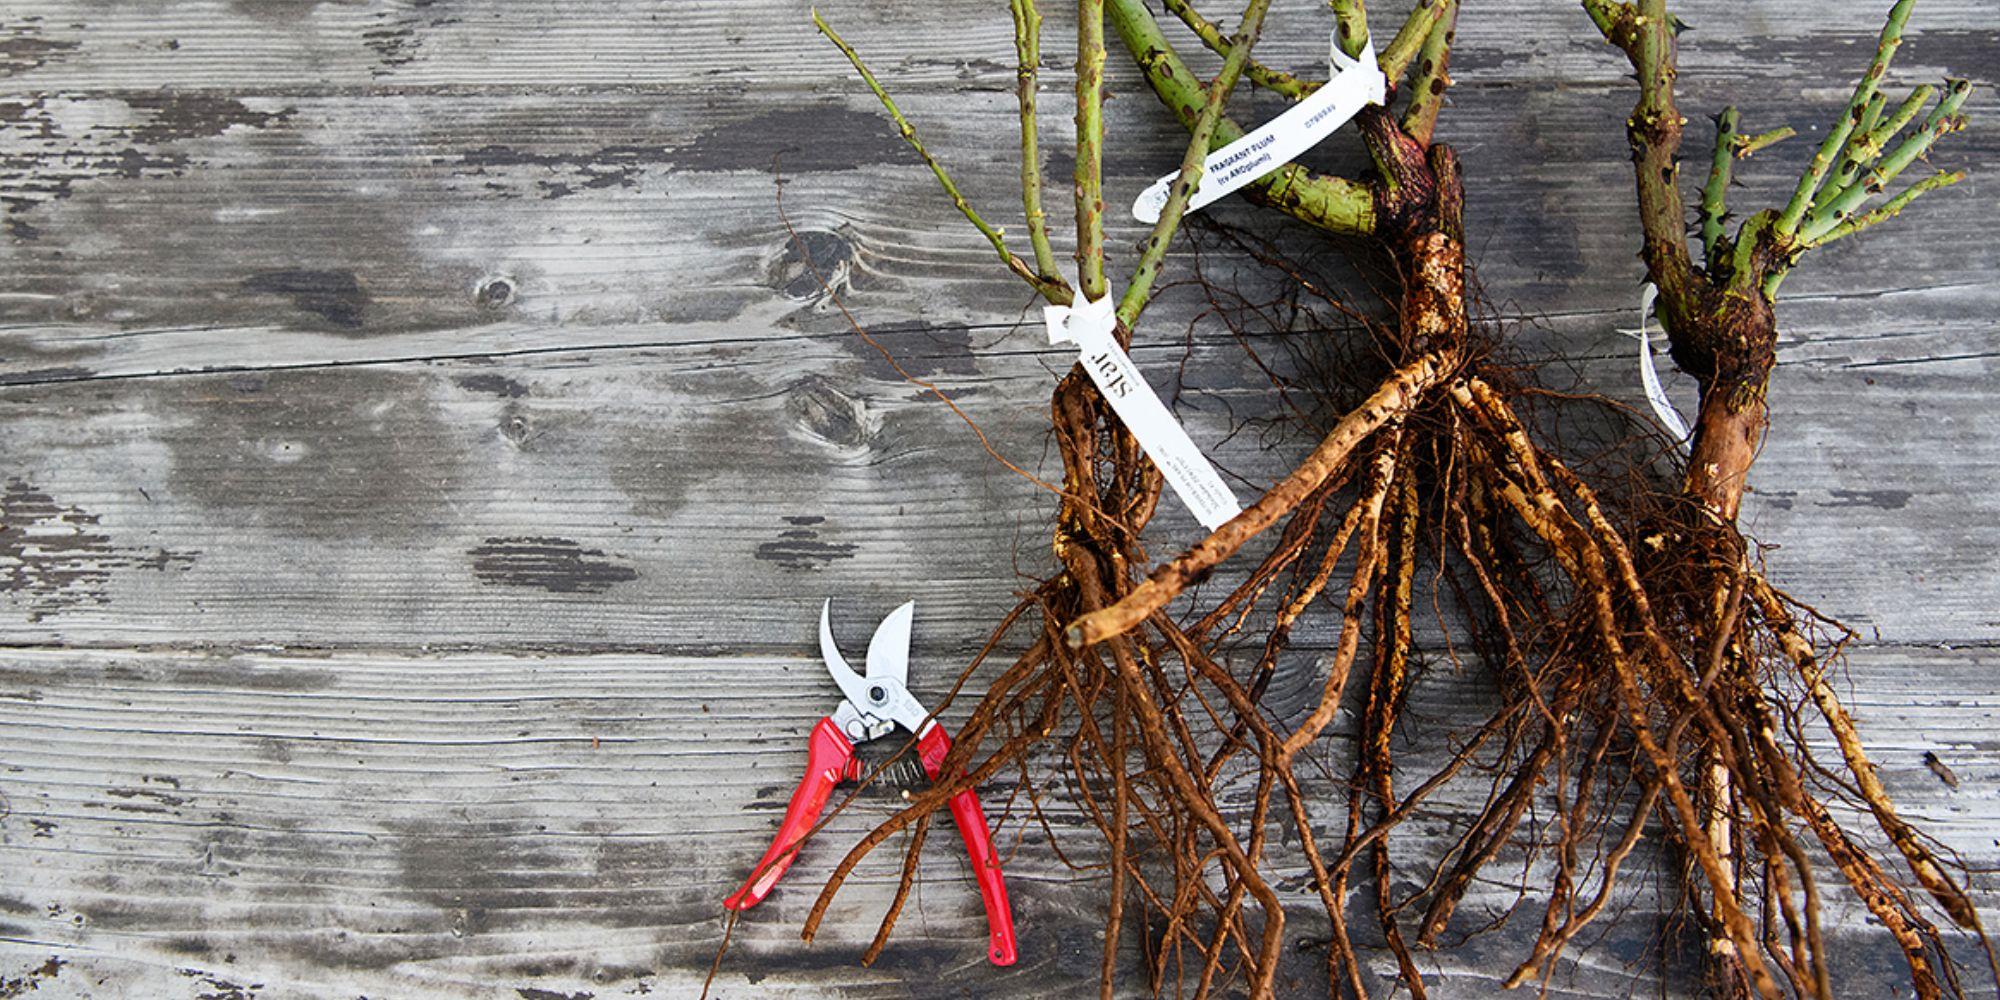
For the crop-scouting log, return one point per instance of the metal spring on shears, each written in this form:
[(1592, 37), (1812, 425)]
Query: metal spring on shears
[(904, 774)]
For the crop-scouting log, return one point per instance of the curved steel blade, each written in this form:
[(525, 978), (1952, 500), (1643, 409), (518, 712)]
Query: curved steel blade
[(851, 684), (889, 650)]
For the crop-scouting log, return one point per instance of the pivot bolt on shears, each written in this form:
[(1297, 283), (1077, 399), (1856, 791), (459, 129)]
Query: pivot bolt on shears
[(874, 706)]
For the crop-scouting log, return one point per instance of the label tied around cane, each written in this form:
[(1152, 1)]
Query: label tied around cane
[(1354, 84), (1091, 327), (1648, 377)]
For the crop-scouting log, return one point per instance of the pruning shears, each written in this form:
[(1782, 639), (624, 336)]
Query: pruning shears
[(875, 704)]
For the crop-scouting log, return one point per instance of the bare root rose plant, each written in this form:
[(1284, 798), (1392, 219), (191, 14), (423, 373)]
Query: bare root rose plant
[(1652, 681)]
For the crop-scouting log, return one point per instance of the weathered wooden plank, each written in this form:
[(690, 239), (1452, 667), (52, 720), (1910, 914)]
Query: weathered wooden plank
[(610, 498), (480, 824), (659, 499), (383, 325), (448, 821), (453, 268), (249, 45), (382, 221)]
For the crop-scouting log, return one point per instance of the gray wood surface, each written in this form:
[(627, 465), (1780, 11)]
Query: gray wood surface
[(424, 454)]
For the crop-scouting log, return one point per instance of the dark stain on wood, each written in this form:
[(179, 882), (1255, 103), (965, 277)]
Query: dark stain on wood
[(23, 47), (398, 40), (213, 987), (531, 993), (285, 11), (150, 177), (799, 548), (479, 873), (33, 376), (30, 359), (557, 565), (43, 163), (1883, 499), (325, 453), (195, 116), (334, 296), (921, 350), (487, 875), (675, 451), (31, 980), (797, 140), (498, 385), (187, 946), (132, 807), (220, 673), (920, 969), (160, 797), (1776, 499), (559, 175), (241, 676), (1537, 230), (55, 556), (1833, 55)]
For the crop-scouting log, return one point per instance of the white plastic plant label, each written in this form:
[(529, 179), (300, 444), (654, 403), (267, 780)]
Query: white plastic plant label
[(1655, 393), (1091, 327), (1353, 84)]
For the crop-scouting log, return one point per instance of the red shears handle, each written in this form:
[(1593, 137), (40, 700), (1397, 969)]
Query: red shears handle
[(971, 820), (829, 761)]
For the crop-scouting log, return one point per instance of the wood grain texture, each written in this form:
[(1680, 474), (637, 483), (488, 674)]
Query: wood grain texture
[(424, 445), (481, 823)]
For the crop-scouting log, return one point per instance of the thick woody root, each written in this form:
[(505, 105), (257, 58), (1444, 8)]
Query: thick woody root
[(1700, 689), (1643, 661), (1671, 685), (1660, 680), (1650, 681), (1149, 723)]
